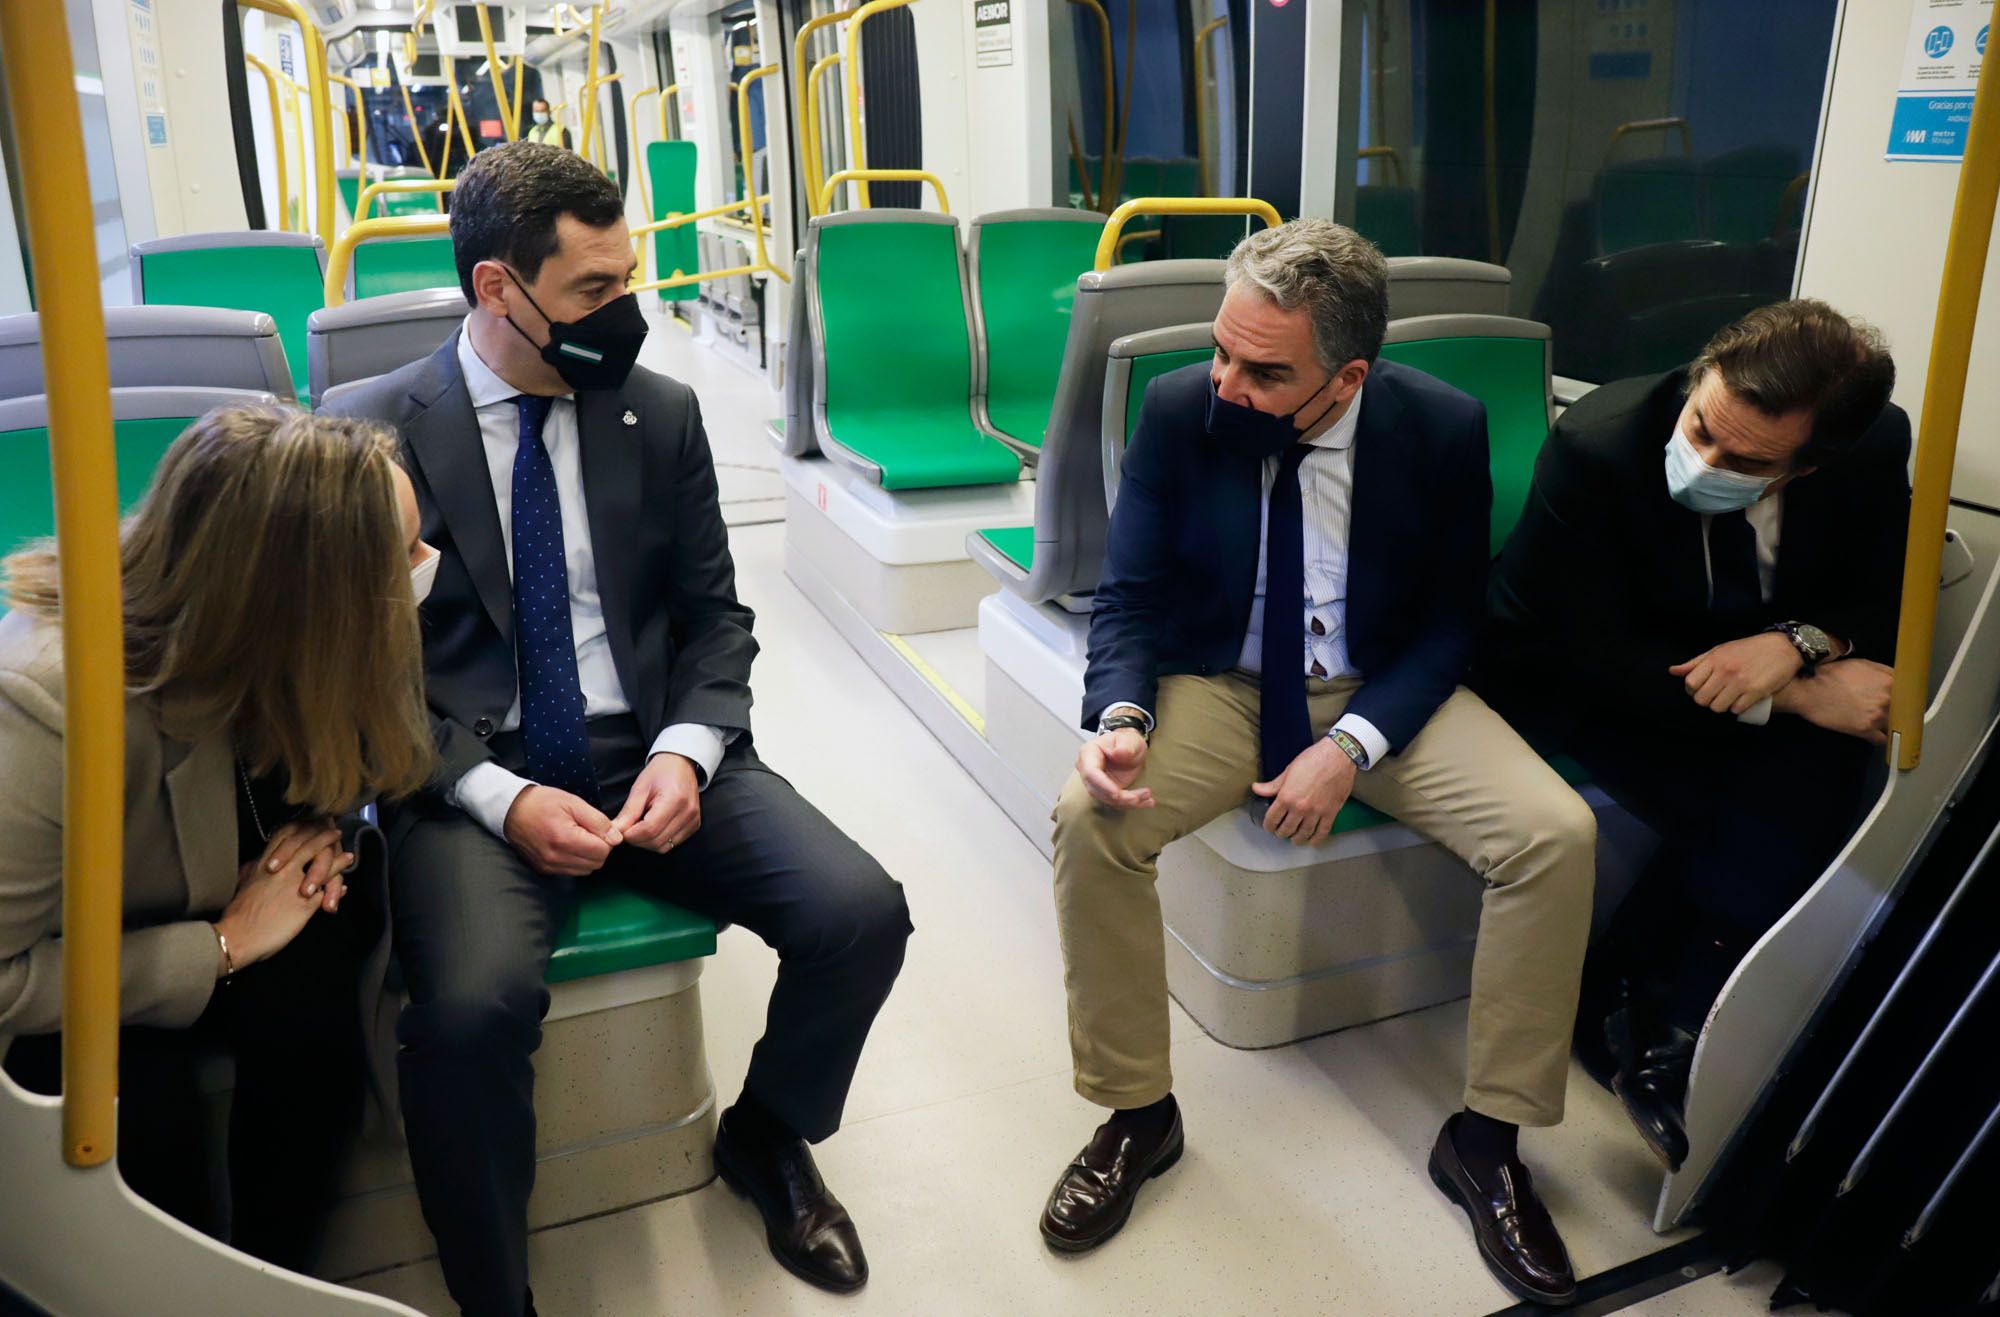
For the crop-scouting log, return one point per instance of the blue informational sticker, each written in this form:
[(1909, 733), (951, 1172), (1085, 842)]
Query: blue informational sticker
[(156, 130), (1933, 109)]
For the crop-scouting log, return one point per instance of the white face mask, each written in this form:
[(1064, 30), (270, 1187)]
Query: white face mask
[(541, 119), (424, 574), (1699, 487)]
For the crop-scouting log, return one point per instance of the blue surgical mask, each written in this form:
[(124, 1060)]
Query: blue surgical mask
[(541, 118), (1699, 487), (1262, 433)]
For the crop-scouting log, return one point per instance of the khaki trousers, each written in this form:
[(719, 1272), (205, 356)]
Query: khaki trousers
[(1466, 781)]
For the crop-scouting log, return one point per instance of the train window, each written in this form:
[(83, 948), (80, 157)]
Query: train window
[(742, 51), (1172, 122), (1639, 165), (106, 212)]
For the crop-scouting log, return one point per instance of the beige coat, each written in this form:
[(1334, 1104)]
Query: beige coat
[(180, 848)]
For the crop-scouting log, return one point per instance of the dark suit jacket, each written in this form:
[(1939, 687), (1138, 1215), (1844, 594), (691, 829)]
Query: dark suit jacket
[(1180, 571), (679, 639), (1601, 587)]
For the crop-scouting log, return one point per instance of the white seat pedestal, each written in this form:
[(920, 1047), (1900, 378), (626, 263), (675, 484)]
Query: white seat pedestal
[(896, 556), (1268, 943), (624, 1115)]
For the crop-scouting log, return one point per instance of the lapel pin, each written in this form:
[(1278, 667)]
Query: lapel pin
[(631, 417)]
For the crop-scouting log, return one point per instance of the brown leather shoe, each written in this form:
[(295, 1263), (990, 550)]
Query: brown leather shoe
[(1514, 1231), (808, 1230), (1094, 1197)]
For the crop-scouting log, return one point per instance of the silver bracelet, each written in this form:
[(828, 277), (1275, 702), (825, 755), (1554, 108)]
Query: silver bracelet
[(228, 961)]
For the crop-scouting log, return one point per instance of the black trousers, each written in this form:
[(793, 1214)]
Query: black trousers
[(1748, 817), (474, 927), (293, 1028)]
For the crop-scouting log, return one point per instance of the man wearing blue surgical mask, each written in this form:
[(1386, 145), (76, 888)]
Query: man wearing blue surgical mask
[(587, 666), (1699, 603), (1291, 589)]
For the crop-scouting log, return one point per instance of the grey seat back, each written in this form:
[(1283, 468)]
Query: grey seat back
[(1446, 285), (194, 346), (1070, 516), (800, 440), (375, 335), (140, 404)]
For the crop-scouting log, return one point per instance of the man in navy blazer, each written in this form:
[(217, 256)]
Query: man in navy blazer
[(1296, 466)]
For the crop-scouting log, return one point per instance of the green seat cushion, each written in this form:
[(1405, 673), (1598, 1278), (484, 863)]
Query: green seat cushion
[(899, 356), (1027, 283), (1016, 543), (1145, 370), (27, 496), (670, 175), (607, 927), (1509, 376), (403, 265), (283, 282)]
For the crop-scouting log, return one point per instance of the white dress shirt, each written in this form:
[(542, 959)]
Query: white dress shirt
[(487, 792), (1767, 518), (1326, 489)]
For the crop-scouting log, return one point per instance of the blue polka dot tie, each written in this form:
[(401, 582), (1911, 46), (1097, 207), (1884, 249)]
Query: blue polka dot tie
[(552, 726)]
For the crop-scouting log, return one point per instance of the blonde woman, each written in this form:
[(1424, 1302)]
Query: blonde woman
[(274, 680)]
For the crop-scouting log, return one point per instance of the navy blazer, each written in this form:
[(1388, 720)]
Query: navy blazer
[(1180, 570)]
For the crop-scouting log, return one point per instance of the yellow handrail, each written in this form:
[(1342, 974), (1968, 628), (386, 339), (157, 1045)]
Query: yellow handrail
[(277, 138), (675, 221), (1665, 125), (587, 112), (1944, 404), (1129, 237), (316, 84), (455, 109), (416, 129), (1107, 242), (1389, 153), (814, 162), (360, 117), (591, 139), (645, 191), (1201, 99), (700, 276), (292, 92), (861, 15), (385, 226), (365, 202), (340, 132), (1105, 196), (860, 178), (510, 119), (667, 93), (749, 181), (34, 43), (802, 85), (520, 86)]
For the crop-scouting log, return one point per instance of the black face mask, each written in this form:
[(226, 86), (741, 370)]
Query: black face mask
[(595, 352), (1260, 432)]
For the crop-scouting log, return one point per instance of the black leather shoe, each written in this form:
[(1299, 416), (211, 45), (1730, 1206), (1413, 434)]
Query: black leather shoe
[(1094, 1198), (1515, 1233), (808, 1230), (1654, 1090)]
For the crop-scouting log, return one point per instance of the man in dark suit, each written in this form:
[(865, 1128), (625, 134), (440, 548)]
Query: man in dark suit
[(1354, 495), (1710, 641), (588, 669)]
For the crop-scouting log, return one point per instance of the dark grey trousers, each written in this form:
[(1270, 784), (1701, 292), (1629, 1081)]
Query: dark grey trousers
[(474, 928)]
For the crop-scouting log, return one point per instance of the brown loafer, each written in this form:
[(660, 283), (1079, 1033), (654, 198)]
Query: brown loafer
[(1094, 1198), (1515, 1233), (809, 1232)]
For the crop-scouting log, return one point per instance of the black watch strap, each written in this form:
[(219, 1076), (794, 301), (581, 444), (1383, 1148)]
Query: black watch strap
[(1118, 722)]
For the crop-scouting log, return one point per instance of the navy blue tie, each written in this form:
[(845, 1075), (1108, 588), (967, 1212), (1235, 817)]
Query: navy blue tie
[(1735, 591), (552, 726), (1284, 722)]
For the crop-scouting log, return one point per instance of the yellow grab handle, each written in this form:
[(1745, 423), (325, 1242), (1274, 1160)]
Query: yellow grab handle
[(373, 190), (713, 212), (815, 164), (1107, 242), (37, 82), (1944, 404), (750, 183), (277, 139), (862, 176), (387, 226), (802, 89), (360, 115)]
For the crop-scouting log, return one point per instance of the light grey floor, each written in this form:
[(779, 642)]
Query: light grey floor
[(1303, 1190)]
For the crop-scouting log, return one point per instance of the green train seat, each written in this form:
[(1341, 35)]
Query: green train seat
[(401, 265), (161, 346), (281, 274), (609, 927), (670, 170), (892, 343), (1506, 364), (144, 421), (1025, 264)]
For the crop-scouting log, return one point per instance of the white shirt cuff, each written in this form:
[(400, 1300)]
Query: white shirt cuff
[(1376, 744), (1125, 704), (487, 792), (1757, 714), (698, 743)]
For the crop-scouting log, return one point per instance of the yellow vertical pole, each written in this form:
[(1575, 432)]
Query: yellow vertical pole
[(801, 56), (34, 40), (810, 155), (360, 115), (458, 108), (749, 176), (322, 118), (520, 82), (1944, 404), (587, 112), (277, 138), (297, 135), (510, 119)]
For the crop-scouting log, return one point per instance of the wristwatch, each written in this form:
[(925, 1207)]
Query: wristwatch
[(1813, 644), (1118, 722), (1350, 747)]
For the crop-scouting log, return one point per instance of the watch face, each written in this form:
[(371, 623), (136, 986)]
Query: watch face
[(1815, 640)]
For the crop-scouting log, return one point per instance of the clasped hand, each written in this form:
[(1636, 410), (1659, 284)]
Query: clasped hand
[(1850, 696), (1733, 678), (1308, 795), (561, 834)]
